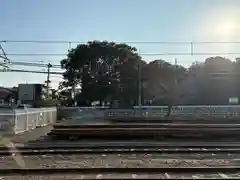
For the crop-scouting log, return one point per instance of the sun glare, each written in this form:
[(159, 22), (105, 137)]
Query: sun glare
[(226, 29)]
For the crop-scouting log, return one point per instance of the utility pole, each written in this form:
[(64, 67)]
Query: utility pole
[(48, 78), (140, 83), (175, 61), (73, 90)]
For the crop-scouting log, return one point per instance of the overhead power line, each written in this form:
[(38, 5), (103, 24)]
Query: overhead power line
[(39, 41), (83, 42), (27, 71), (143, 54), (131, 42), (35, 54), (190, 53), (33, 64)]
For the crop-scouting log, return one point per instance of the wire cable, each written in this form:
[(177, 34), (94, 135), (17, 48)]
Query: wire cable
[(130, 42), (33, 64)]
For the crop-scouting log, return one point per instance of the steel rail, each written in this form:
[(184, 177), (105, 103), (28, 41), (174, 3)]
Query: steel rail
[(159, 121), (147, 128), (144, 132), (61, 171), (225, 142), (142, 147), (113, 150), (117, 145), (147, 125)]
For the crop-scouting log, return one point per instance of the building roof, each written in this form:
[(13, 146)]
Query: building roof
[(4, 92)]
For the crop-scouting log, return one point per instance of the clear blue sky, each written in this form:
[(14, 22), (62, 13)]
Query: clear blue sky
[(115, 20)]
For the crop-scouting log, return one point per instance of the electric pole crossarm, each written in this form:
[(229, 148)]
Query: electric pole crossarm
[(4, 57)]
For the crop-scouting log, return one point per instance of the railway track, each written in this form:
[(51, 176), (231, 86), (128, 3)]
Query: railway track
[(63, 171), (62, 150), (146, 130), (147, 125), (131, 143), (118, 159), (120, 176), (117, 163), (156, 120), (190, 135)]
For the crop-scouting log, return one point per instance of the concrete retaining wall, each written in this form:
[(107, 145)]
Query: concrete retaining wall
[(178, 112), (189, 112)]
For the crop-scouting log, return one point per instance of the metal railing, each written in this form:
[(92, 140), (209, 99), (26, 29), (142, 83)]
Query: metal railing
[(14, 121)]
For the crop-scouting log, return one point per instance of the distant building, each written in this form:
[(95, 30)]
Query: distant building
[(31, 94), (7, 94), (237, 59)]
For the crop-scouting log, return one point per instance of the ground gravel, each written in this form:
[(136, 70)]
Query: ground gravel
[(118, 160)]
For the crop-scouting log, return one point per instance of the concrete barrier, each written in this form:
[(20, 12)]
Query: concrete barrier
[(77, 114), (187, 112), (69, 112)]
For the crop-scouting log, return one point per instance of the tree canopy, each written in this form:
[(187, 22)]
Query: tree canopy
[(104, 70), (109, 71)]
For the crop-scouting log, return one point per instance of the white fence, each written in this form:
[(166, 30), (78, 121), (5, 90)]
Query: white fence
[(15, 121)]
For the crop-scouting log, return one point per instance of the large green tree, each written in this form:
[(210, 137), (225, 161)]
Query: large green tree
[(103, 69), (219, 82), (162, 81), (108, 71)]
